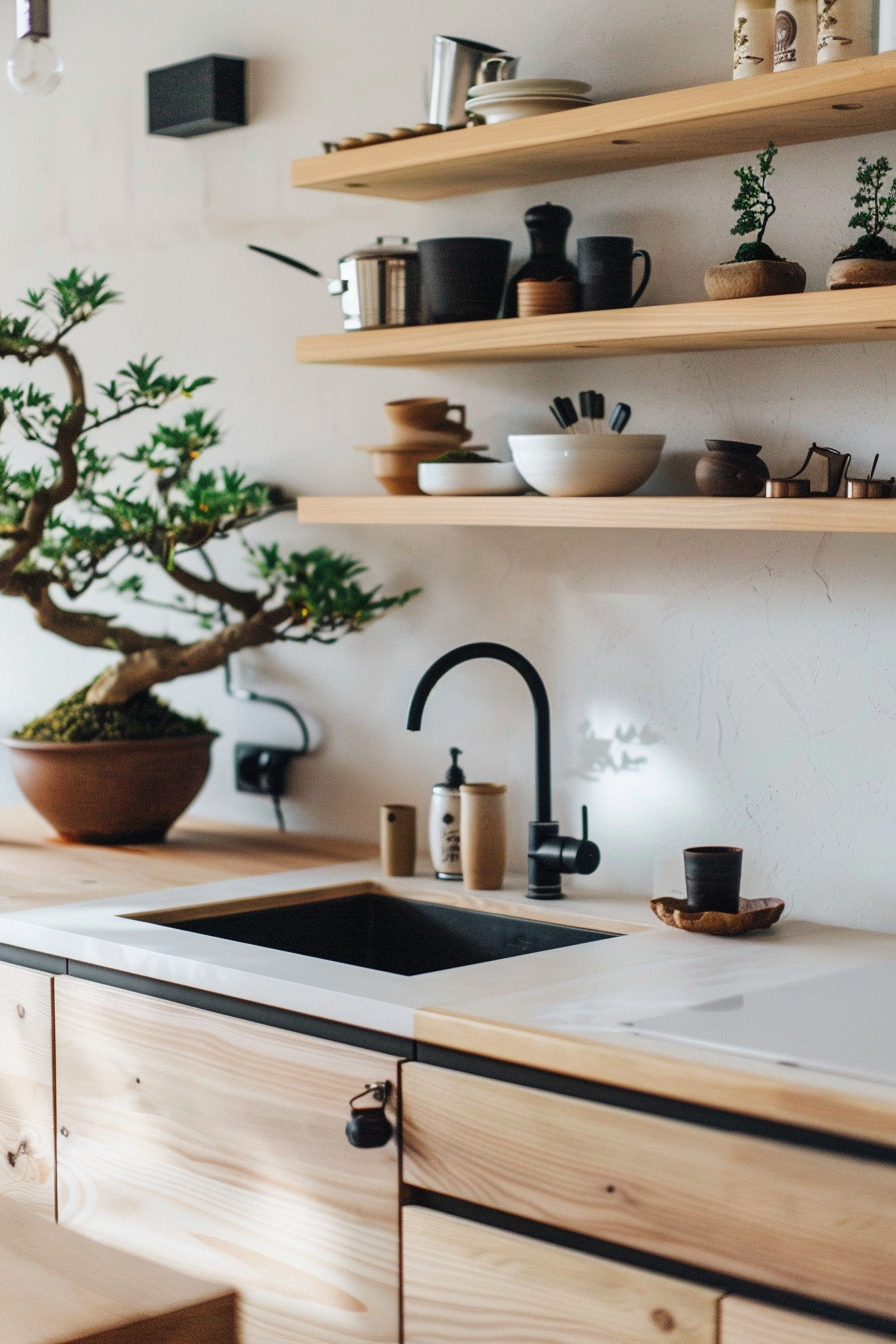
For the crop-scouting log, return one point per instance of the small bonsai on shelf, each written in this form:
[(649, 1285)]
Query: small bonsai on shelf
[(756, 205), (76, 519), (755, 270), (871, 259)]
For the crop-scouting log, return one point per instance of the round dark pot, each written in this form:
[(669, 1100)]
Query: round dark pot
[(731, 468), (464, 278), (112, 793)]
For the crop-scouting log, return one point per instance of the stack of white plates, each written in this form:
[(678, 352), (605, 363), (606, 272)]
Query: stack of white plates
[(507, 99)]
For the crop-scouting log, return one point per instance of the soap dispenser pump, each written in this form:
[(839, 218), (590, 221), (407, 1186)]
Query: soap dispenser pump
[(444, 822)]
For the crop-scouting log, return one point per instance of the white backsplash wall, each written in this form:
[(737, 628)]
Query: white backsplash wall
[(706, 688)]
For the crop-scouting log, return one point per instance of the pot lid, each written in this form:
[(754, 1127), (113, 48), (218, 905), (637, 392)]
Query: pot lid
[(389, 245)]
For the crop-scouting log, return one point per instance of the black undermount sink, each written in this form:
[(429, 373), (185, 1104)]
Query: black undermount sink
[(388, 933)]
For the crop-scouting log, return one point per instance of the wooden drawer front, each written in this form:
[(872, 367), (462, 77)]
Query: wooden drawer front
[(812, 1222), (218, 1146), (745, 1322), (27, 1139), (463, 1281)]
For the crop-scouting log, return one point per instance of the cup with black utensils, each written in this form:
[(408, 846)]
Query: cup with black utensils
[(712, 877), (606, 273)]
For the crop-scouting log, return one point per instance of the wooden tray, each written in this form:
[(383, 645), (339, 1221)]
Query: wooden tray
[(759, 914)]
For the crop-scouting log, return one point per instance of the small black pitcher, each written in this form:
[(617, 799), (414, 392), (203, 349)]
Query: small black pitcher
[(605, 273)]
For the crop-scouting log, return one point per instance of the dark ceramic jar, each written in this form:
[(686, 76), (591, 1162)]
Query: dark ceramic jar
[(731, 468)]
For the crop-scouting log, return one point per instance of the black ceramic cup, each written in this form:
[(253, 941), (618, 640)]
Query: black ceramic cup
[(464, 278), (606, 273), (712, 877)]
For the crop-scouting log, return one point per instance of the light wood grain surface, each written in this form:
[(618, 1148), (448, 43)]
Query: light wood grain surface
[(821, 318), (58, 1287), (671, 513), (812, 1222), (27, 1128), (218, 1145), (466, 1282), (743, 1322), (670, 127), (37, 868)]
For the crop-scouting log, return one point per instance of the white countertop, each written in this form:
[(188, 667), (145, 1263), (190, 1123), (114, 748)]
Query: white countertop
[(594, 991)]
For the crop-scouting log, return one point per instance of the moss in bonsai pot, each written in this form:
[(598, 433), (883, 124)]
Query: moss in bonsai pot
[(870, 260), (76, 519), (756, 269)]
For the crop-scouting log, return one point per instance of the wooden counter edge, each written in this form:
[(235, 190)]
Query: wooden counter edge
[(778, 1092)]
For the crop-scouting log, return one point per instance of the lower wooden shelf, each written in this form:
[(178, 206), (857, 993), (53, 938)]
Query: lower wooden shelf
[(819, 318), (673, 512)]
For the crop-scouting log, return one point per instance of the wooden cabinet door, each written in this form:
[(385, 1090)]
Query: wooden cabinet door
[(464, 1282), (27, 1161), (218, 1146), (743, 1322)]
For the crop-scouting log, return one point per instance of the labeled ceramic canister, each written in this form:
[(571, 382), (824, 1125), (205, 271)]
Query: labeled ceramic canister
[(844, 29), (796, 34), (754, 37), (444, 822)]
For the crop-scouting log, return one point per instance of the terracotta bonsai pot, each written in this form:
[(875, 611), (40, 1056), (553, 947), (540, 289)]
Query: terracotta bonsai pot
[(112, 793), (752, 279), (861, 273)]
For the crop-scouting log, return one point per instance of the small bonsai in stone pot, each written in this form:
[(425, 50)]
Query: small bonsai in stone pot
[(870, 260), (756, 269), (112, 763)]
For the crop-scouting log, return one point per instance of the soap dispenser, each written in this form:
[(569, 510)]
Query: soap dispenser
[(444, 822)]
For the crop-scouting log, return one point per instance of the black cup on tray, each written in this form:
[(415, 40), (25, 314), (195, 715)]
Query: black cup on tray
[(606, 273), (712, 877), (464, 278)]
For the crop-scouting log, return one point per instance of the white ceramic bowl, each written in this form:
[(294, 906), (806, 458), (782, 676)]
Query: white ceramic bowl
[(586, 464), (557, 88), (515, 106), (470, 478)]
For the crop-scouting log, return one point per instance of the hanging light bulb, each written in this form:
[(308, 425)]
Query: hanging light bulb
[(33, 66)]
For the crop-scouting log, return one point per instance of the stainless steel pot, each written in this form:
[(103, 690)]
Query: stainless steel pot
[(380, 285)]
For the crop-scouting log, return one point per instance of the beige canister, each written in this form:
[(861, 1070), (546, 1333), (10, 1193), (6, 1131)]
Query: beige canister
[(844, 29), (754, 37), (398, 839), (483, 835)]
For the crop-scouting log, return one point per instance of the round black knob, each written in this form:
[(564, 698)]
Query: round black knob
[(369, 1128), (588, 857)]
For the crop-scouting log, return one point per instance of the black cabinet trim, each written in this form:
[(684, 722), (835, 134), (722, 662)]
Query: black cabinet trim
[(35, 961), (657, 1264), (631, 1100)]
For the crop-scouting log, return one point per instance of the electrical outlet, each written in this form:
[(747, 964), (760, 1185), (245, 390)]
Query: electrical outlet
[(262, 769)]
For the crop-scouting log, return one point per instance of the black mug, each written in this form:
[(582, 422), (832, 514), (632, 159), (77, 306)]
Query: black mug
[(712, 877), (464, 278), (605, 273)]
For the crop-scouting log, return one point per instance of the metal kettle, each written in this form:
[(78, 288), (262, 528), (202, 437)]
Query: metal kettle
[(380, 285)]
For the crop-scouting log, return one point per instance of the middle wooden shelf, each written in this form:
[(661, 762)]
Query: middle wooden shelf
[(821, 318)]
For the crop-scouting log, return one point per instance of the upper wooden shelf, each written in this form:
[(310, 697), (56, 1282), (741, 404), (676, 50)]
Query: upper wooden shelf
[(821, 103), (821, 318), (684, 512)]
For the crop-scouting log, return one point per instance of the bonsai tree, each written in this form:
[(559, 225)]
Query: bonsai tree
[(875, 208), (74, 519), (756, 205)]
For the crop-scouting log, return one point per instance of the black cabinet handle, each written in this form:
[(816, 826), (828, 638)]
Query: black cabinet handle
[(369, 1126)]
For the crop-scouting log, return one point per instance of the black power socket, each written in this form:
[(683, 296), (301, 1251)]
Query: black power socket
[(262, 769)]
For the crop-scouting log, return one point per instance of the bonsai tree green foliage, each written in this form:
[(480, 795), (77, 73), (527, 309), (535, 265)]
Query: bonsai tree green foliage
[(756, 205), (875, 208), (74, 518)]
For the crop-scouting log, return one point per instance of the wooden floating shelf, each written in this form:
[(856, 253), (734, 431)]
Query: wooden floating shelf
[(684, 512), (821, 103), (821, 318)]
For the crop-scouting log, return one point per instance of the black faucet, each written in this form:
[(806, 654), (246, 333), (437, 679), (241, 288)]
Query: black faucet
[(550, 853)]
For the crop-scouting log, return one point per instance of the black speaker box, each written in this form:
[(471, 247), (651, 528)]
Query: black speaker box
[(197, 97)]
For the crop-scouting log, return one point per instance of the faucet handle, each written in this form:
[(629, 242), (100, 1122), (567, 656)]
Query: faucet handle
[(584, 821)]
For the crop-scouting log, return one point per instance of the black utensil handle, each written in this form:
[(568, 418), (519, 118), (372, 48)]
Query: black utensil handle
[(620, 417), (287, 261), (557, 416), (645, 256)]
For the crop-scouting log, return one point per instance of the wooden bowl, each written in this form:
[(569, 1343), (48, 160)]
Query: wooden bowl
[(759, 914)]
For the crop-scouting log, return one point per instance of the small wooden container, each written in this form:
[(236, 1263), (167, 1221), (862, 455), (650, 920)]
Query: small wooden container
[(537, 298), (483, 835), (398, 839)]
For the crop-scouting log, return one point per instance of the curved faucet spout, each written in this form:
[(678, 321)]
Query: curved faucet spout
[(502, 654)]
